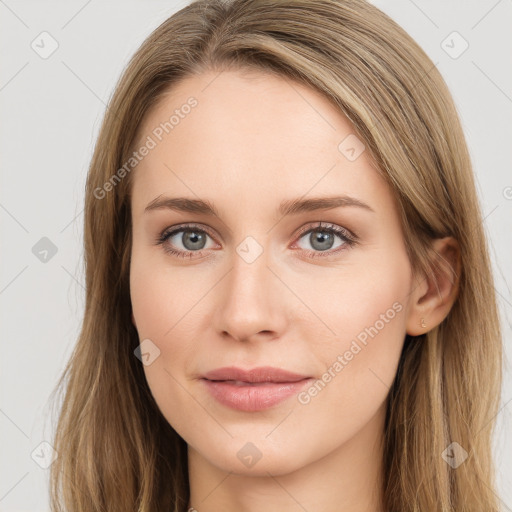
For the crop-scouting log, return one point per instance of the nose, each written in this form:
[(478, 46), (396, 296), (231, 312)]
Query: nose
[(252, 302)]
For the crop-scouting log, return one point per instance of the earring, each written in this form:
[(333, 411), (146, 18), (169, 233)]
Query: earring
[(423, 324)]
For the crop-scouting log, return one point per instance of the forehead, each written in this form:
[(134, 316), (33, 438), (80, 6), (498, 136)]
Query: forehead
[(249, 137), (232, 107)]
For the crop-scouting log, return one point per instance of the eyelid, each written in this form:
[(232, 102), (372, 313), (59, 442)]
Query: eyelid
[(327, 226), (166, 233)]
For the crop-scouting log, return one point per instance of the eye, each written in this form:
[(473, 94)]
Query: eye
[(322, 239), (191, 238)]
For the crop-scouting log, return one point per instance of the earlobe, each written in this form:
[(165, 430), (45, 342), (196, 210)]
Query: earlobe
[(433, 298)]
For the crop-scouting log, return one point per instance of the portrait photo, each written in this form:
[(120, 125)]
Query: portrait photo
[(256, 256)]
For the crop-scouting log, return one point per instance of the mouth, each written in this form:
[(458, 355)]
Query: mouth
[(255, 389), (243, 383), (254, 375)]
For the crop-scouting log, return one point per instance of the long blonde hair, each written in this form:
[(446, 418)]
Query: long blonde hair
[(116, 452)]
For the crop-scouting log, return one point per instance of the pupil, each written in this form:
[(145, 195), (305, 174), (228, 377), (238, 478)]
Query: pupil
[(319, 240), (193, 238)]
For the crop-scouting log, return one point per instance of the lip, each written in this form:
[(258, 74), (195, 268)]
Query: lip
[(254, 389)]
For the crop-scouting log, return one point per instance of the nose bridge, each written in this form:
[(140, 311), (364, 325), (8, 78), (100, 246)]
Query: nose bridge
[(251, 294), (249, 278)]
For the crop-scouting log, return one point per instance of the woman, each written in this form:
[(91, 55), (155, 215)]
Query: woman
[(289, 296)]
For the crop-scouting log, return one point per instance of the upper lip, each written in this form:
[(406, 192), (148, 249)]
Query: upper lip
[(259, 374)]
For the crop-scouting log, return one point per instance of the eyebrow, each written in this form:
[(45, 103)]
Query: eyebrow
[(287, 207)]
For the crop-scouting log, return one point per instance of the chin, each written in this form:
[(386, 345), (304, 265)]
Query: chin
[(275, 464), (251, 456)]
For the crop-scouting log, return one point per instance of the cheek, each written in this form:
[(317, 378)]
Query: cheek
[(160, 302), (160, 295), (152, 299), (366, 310), (167, 307)]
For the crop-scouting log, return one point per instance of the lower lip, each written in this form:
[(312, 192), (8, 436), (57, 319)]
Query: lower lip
[(253, 397)]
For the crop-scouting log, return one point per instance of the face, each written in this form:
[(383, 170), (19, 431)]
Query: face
[(318, 292)]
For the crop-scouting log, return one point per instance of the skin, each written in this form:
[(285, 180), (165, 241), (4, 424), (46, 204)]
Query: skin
[(251, 142)]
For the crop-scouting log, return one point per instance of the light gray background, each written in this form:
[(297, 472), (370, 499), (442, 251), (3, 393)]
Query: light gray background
[(51, 111)]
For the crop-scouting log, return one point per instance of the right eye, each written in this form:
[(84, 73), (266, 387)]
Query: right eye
[(191, 238)]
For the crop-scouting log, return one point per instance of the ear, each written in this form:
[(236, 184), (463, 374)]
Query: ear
[(434, 294), (133, 321)]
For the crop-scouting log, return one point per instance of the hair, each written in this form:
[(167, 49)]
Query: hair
[(116, 451)]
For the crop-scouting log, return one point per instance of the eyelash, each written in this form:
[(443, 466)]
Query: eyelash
[(347, 237)]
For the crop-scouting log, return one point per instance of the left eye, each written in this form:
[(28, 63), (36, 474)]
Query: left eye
[(322, 238)]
